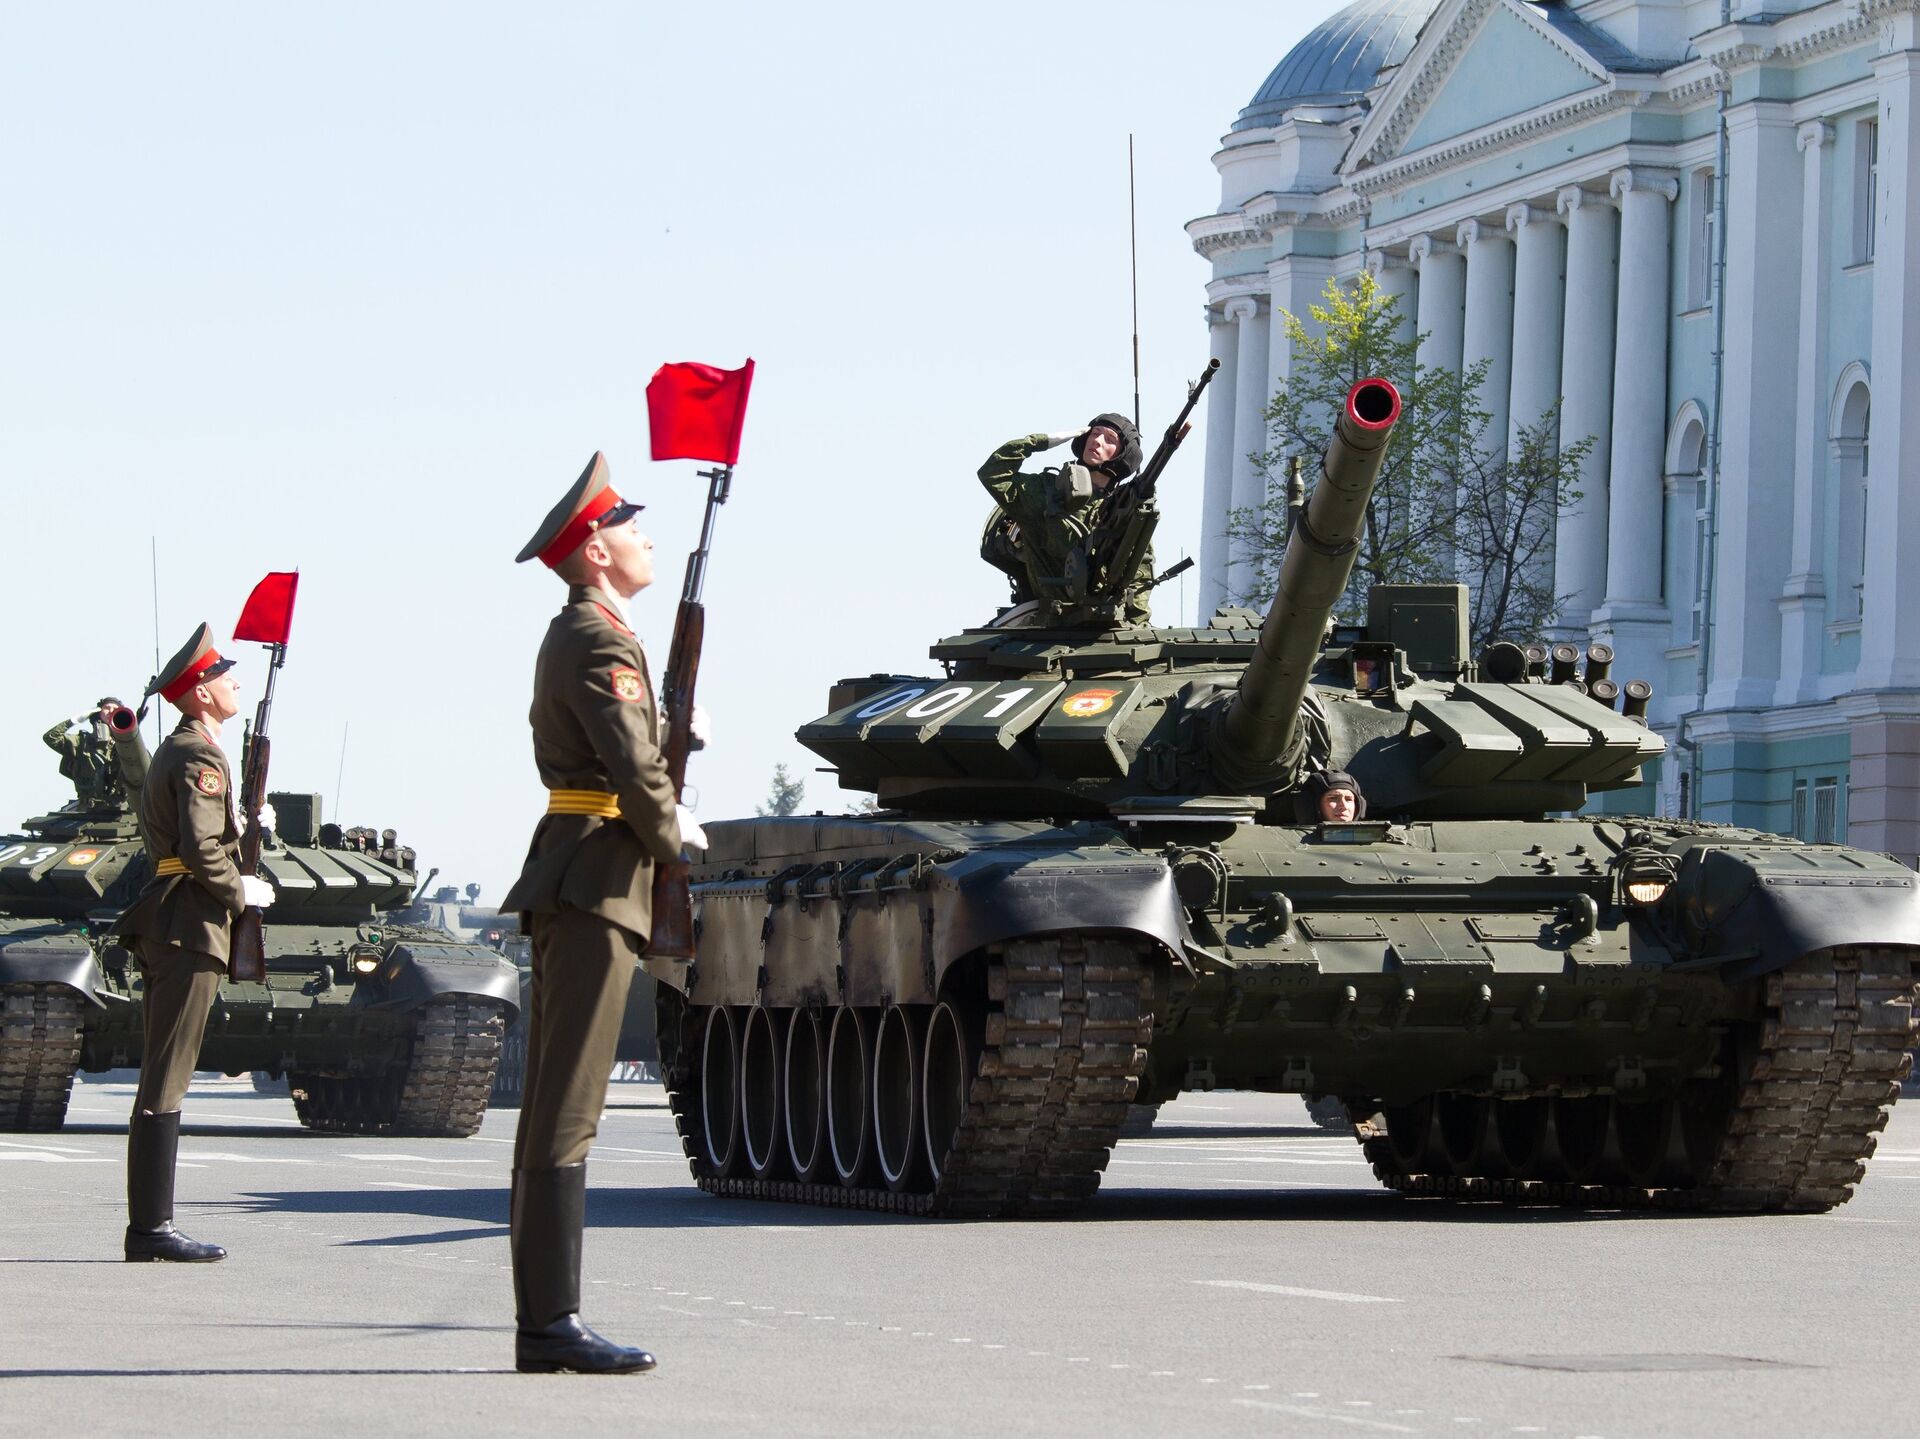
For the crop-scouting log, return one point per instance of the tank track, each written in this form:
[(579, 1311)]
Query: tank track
[(1328, 1112), (442, 1092), (39, 1052), (1067, 1023), (1796, 1123), (510, 1075)]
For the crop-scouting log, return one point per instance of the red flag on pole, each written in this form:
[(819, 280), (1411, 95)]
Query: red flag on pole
[(268, 616), (696, 411)]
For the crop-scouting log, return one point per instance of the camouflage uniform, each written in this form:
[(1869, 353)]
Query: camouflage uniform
[(1038, 533)]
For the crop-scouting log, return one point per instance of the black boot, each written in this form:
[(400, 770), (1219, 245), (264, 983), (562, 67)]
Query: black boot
[(152, 1142), (549, 1213)]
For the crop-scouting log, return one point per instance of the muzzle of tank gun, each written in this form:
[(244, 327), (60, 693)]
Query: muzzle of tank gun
[(1261, 728), (124, 726)]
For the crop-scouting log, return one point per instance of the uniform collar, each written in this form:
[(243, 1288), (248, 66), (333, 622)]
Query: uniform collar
[(613, 605)]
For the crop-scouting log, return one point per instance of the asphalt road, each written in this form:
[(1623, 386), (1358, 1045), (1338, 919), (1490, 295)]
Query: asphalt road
[(1239, 1273)]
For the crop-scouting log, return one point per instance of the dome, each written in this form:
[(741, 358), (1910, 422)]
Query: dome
[(1339, 59)]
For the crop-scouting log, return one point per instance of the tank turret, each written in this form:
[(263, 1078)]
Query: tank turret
[(1261, 728)]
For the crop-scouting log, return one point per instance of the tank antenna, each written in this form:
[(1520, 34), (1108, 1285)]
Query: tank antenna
[(153, 571), (1133, 265), (341, 770)]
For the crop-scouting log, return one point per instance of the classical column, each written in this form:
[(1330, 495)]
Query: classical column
[(1538, 301), (1884, 779), (1295, 284), (1442, 295), (1250, 398), (1488, 333), (1633, 618), (1395, 275), (1803, 600), (1753, 518), (1586, 410), (1217, 496)]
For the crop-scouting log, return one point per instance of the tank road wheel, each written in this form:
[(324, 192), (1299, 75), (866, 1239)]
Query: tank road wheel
[(1821, 1069), (39, 1052), (1652, 1143), (1523, 1128), (803, 1090), (849, 1112), (449, 1075), (761, 1056), (898, 1091), (1583, 1130), (952, 1060), (719, 1090), (1410, 1147)]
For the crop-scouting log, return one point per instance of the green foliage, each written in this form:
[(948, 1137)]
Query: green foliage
[(1449, 505), (783, 795)]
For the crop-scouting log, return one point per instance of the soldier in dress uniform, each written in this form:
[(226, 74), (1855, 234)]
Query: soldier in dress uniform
[(180, 928), (585, 895)]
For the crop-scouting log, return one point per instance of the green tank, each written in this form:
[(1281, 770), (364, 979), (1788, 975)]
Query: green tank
[(1093, 880), (381, 1026)]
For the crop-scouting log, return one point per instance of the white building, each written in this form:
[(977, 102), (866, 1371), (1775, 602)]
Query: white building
[(1537, 182)]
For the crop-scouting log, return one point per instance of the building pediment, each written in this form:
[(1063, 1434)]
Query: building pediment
[(1478, 64)]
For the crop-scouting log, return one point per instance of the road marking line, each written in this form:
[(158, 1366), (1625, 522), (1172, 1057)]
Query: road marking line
[(37, 1146), (1296, 1292), (228, 1157), (1301, 1411), (408, 1159), (402, 1184), (43, 1158)]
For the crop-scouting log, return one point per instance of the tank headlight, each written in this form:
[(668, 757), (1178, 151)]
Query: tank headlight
[(1648, 888), (365, 964)]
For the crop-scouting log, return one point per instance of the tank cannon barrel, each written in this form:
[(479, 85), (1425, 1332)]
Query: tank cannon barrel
[(1261, 727), (124, 726)]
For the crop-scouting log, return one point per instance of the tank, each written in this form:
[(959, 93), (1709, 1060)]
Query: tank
[(381, 1026), (1095, 879)]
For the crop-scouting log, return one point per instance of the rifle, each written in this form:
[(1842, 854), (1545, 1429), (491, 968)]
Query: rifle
[(268, 618), (1123, 526), (672, 936), (247, 957)]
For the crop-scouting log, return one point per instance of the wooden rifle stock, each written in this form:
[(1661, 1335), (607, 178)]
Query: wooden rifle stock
[(247, 953), (672, 936)]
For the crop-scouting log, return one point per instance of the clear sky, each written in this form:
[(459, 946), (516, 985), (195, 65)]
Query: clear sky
[(358, 289)]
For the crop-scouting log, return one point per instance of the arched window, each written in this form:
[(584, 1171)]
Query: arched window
[(1848, 426), (1686, 486)]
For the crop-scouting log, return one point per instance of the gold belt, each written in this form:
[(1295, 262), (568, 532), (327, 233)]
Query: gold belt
[(583, 801), (169, 866)]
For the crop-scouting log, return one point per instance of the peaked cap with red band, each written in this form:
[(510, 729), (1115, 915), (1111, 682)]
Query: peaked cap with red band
[(590, 505), (196, 662)]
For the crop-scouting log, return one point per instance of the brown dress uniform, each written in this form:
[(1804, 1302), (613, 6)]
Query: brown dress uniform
[(585, 895), (180, 927)]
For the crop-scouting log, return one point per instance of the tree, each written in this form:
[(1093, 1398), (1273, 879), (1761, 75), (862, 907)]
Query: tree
[(783, 796), (1449, 504)]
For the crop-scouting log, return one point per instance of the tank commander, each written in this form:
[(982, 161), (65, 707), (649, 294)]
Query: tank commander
[(585, 896), (1037, 534), (86, 753), (180, 928)]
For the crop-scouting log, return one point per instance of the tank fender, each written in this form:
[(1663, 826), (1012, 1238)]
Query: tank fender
[(984, 899), (414, 974), (1765, 907), (51, 954)]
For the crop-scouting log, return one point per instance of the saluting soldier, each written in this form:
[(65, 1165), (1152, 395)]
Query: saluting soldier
[(181, 927), (585, 895), (1043, 517)]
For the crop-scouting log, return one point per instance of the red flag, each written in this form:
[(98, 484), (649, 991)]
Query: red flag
[(696, 411), (268, 616)]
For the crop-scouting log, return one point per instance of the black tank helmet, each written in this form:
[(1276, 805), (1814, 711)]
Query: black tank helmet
[(1127, 460), (1307, 801)]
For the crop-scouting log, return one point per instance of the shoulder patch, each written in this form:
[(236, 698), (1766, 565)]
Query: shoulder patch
[(627, 684), (208, 781)]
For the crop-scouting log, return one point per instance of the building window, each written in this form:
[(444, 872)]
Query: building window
[(1866, 184), (1798, 828), (1826, 802), (1686, 794), (1700, 542), (1866, 469), (1853, 420), (1700, 220)]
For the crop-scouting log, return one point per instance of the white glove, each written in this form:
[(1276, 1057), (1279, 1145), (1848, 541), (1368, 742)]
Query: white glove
[(1066, 435), (699, 729), (691, 835), (256, 891), (268, 819)]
